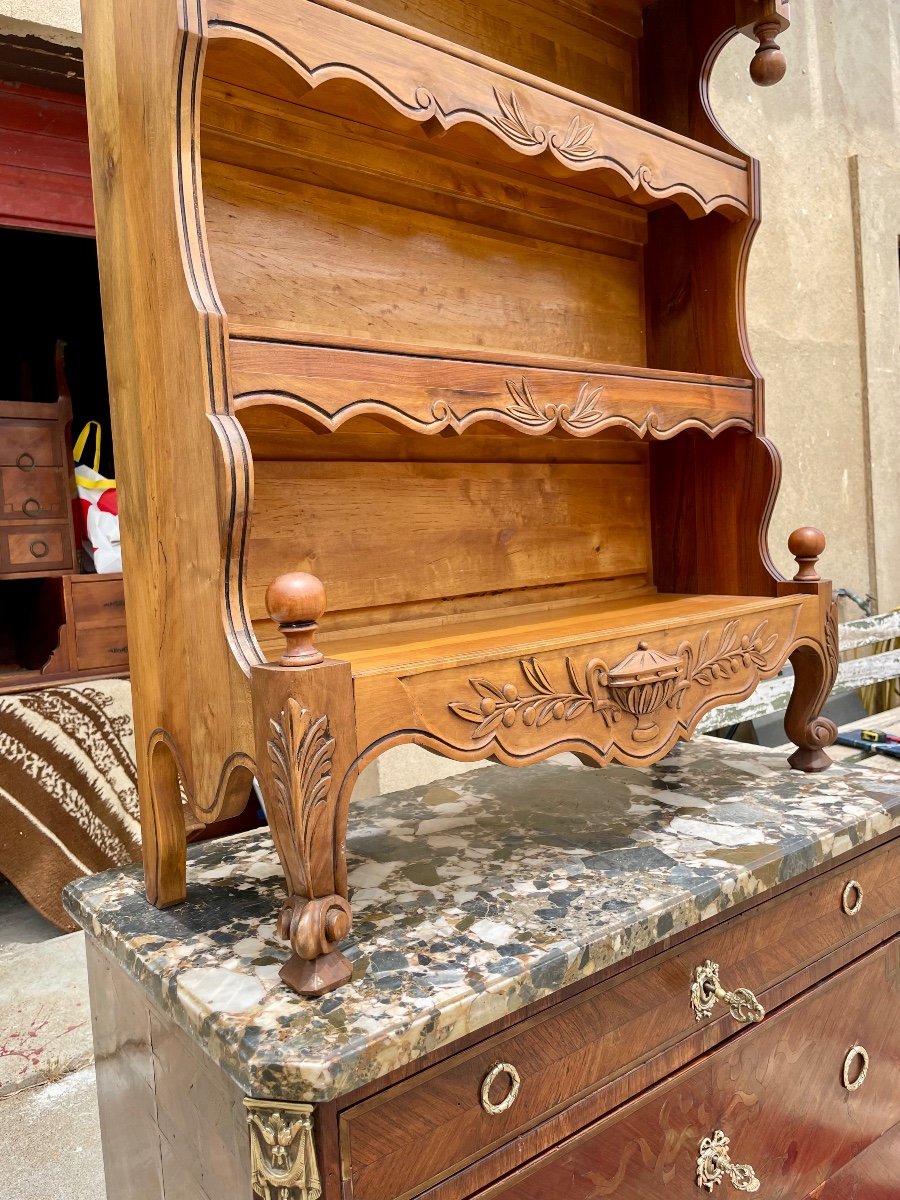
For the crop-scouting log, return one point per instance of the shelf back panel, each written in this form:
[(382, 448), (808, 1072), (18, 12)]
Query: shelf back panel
[(383, 533), (299, 259), (590, 47)]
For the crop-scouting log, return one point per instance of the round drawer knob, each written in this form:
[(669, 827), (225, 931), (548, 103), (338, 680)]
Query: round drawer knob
[(25, 461), (852, 897), (856, 1068), (39, 549), (498, 1069), (31, 507)]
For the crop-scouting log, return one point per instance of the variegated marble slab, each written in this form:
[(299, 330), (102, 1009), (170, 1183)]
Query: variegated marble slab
[(472, 898)]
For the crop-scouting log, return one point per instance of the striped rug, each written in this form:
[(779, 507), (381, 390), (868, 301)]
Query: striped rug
[(68, 792)]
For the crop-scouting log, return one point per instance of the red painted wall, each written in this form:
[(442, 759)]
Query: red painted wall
[(45, 171)]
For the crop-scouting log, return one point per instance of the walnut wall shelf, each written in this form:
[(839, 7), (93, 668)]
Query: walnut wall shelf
[(441, 329)]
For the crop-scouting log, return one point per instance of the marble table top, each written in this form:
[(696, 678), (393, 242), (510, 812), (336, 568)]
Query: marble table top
[(472, 898)]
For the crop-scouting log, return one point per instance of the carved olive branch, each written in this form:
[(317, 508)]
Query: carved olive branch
[(501, 705), (731, 655), (574, 144)]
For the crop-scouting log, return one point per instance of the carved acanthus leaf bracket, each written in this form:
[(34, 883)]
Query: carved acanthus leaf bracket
[(641, 684), (301, 752), (282, 1151)]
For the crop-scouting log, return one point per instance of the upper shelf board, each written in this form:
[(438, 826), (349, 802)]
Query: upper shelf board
[(441, 85), (429, 395)]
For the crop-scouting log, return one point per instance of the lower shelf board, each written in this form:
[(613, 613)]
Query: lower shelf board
[(482, 637)]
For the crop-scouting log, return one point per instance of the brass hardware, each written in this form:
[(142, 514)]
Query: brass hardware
[(282, 1152), (706, 990), (31, 507), (39, 549), (500, 1068), (850, 887), (714, 1163), (853, 1053), (25, 461)]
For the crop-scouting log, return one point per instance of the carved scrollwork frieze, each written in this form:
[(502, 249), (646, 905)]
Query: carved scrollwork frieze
[(631, 695)]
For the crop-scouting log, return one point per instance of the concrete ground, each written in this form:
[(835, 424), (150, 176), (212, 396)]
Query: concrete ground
[(48, 1101)]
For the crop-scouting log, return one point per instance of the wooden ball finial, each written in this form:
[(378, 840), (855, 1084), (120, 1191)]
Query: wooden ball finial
[(806, 544), (295, 602), (768, 64)]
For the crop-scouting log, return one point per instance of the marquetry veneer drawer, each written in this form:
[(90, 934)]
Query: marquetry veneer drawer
[(35, 547), (778, 1092), (421, 1130)]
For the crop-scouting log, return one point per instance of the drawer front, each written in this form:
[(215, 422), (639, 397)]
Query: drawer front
[(37, 548), (97, 649), (416, 1133), (98, 602), (777, 1092), (26, 445), (871, 1176), (32, 495)]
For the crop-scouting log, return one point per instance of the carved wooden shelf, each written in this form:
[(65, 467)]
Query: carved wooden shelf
[(429, 344), (337, 47), (430, 394)]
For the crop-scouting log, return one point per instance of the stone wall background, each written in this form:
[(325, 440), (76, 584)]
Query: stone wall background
[(823, 295)]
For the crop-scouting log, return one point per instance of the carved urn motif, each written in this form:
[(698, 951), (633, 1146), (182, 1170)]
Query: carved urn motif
[(642, 682)]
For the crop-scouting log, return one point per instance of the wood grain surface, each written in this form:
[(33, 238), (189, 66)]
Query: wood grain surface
[(436, 1122)]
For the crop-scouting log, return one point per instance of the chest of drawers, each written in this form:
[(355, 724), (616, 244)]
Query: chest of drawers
[(36, 535), (592, 1016)]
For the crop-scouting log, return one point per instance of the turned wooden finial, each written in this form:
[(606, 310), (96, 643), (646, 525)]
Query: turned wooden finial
[(295, 602), (768, 64), (762, 21), (806, 544)]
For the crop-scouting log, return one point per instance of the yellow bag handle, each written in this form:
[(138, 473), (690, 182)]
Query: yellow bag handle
[(99, 485), (79, 446)]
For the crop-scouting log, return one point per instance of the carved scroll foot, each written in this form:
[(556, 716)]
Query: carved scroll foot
[(316, 977), (814, 671), (314, 928), (808, 759)]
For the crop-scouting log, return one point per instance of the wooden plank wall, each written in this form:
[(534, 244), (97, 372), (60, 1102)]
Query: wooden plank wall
[(45, 172)]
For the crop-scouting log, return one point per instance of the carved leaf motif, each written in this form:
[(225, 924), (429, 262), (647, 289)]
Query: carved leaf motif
[(592, 688), (586, 412), (545, 703), (732, 654), (525, 408), (301, 754), (575, 142), (513, 122)]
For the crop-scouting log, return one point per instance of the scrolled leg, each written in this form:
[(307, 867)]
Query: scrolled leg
[(305, 728), (314, 929), (814, 674)]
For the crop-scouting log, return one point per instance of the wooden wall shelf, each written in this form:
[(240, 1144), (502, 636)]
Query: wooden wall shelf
[(439, 85), (532, 395), (461, 343)]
